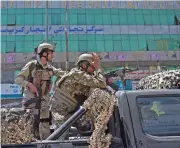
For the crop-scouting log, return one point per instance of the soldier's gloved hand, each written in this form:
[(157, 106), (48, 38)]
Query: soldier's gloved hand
[(32, 88)]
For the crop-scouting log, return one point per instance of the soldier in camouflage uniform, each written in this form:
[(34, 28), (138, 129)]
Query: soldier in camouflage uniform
[(35, 79), (73, 88), (84, 86)]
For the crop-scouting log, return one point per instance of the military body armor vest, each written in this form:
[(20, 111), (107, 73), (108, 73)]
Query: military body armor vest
[(41, 78)]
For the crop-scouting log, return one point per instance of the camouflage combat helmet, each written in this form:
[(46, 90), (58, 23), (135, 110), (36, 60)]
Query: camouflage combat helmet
[(44, 46), (85, 57)]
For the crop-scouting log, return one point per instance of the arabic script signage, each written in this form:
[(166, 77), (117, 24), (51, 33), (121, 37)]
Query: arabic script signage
[(55, 29), (90, 29)]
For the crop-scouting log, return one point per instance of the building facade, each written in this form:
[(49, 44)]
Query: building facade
[(146, 33)]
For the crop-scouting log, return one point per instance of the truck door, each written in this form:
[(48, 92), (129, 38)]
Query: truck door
[(155, 118)]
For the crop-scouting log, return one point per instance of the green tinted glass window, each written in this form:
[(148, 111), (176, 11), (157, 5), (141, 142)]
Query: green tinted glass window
[(125, 45), (38, 19), (20, 11), (114, 11), (107, 37), (139, 19), (20, 19), (91, 37), (150, 37), (100, 46), (11, 20), (173, 45), (154, 11), (29, 37), (10, 47), (116, 37), (155, 19), (98, 11), (59, 37), (83, 46), (81, 37), (108, 46), (177, 12), (55, 19), (163, 19), (29, 10), (38, 37), (20, 47), (98, 19), (40, 11), (123, 19), (20, 38), (106, 19), (81, 11), (90, 19), (159, 44), (29, 46), (134, 45), (4, 20), (101, 37), (147, 20), (122, 12), (63, 44), (92, 46), (57, 10), (11, 10), (117, 45), (131, 19), (115, 19), (11, 38), (3, 38), (35, 44), (142, 45), (72, 19), (73, 37), (125, 37), (176, 37), (3, 47), (106, 11), (157, 36), (58, 46), (166, 36), (142, 36), (73, 45), (4, 11), (29, 19), (81, 19), (170, 19), (151, 45), (133, 36)]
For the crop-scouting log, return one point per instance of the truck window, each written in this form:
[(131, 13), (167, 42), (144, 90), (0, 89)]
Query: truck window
[(160, 116)]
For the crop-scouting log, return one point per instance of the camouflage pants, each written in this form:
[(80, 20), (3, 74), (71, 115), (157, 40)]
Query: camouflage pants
[(44, 125), (38, 114)]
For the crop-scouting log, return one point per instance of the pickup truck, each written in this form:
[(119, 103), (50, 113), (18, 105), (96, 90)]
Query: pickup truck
[(141, 119)]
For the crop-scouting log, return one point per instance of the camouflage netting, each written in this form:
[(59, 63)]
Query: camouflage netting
[(12, 131), (101, 106), (162, 80)]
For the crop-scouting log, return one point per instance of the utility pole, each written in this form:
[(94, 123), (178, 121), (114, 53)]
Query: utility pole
[(46, 21), (66, 35)]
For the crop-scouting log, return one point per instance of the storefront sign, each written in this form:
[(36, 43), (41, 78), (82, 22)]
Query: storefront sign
[(10, 89)]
